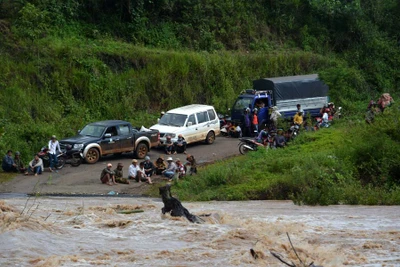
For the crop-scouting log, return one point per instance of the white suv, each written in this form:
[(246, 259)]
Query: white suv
[(195, 123)]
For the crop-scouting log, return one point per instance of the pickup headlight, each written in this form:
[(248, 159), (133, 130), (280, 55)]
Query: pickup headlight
[(78, 146)]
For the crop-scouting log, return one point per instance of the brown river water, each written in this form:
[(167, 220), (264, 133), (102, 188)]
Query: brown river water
[(64, 231)]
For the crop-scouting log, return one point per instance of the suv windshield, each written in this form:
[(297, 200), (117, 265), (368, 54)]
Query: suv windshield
[(173, 119), (92, 130)]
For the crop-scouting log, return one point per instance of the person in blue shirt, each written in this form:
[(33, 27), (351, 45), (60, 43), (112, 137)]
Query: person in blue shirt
[(8, 164)]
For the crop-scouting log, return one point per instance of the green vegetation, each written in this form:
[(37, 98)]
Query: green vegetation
[(65, 63), (348, 163)]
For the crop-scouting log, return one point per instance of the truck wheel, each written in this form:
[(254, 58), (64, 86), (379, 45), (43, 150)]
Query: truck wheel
[(93, 155), (141, 151), (210, 138)]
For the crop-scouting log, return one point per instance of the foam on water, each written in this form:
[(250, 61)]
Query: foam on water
[(85, 232)]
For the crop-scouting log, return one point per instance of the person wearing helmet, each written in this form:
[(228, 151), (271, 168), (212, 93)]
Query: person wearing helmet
[(148, 167), (254, 122)]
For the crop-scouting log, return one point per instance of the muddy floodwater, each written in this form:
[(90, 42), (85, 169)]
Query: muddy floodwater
[(104, 232)]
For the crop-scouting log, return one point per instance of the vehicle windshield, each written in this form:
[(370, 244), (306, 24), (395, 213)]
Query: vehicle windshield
[(92, 130), (242, 103), (173, 119)]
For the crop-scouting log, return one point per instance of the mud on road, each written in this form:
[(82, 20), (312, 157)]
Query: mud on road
[(85, 179)]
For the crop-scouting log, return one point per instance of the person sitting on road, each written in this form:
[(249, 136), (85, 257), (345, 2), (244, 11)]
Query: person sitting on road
[(19, 163), (35, 166), (119, 174), (148, 167), (191, 161), (181, 169), (169, 172), (133, 171), (298, 118), (107, 176), (8, 164), (280, 140), (160, 165), (141, 177), (180, 145), (169, 146)]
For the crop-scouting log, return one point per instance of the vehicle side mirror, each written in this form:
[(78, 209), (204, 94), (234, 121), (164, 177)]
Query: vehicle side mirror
[(189, 123), (107, 135), (79, 131)]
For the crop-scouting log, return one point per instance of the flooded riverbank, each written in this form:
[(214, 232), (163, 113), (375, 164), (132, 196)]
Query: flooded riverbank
[(95, 231)]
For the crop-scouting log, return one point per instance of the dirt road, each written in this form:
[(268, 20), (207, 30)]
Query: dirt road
[(85, 179)]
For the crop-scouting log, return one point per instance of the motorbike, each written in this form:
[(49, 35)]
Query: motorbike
[(74, 158), (44, 155), (247, 144)]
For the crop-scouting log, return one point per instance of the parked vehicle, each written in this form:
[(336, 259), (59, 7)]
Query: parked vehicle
[(72, 157), (195, 123), (285, 93), (44, 155), (110, 137), (247, 144)]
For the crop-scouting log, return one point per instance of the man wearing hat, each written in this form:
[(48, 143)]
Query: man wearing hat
[(8, 163), (169, 172), (160, 165), (107, 175), (54, 146), (133, 170), (18, 162), (119, 174)]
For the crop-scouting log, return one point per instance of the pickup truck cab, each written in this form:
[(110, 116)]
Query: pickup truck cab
[(111, 137)]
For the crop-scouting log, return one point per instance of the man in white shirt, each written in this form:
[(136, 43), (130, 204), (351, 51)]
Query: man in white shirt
[(54, 146), (133, 170)]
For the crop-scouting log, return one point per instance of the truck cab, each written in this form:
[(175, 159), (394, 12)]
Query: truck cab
[(251, 98), (285, 93)]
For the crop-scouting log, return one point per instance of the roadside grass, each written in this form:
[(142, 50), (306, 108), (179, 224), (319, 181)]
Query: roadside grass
[(7, 176), (348, 163)]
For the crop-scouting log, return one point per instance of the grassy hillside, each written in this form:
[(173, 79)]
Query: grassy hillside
[(68, 62)]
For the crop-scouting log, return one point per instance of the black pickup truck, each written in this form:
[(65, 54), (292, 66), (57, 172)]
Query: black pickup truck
[(111, 137)]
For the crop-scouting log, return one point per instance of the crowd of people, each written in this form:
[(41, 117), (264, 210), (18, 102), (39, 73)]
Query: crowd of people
[(377, 107), (271, 134), (35, 166), (169, 169)]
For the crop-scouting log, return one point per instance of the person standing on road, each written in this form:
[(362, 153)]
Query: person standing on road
[(246, 123), (119, 174), (254, 122), (8, 164), (275, 115), (54, 146), (107, 175)]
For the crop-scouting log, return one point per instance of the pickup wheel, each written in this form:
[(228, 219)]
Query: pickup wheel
[(210, 138), (93, 155), (141, 151)]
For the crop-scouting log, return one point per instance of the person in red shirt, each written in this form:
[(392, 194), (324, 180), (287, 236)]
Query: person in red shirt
[(254, 122)]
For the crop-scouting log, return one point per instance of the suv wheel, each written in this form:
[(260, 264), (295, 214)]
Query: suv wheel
[(93, 155), (210, 138)]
